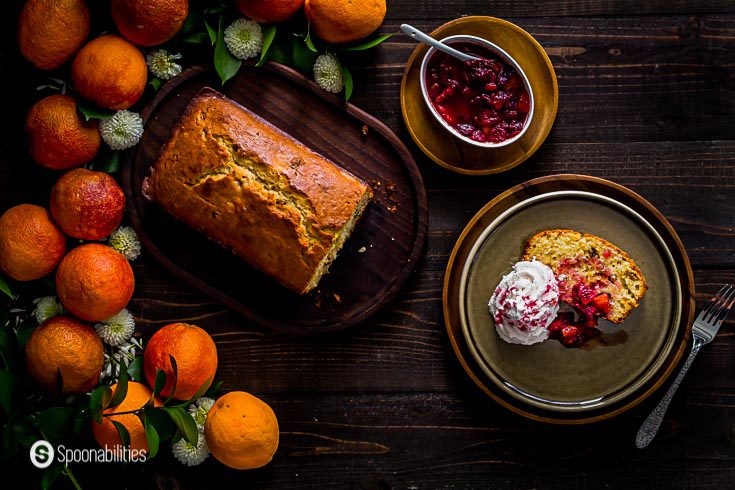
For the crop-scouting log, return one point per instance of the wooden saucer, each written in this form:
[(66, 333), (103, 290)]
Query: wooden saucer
[(450, 152), (502, 206)]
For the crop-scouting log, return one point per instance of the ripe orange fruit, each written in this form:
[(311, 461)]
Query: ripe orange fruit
[(51, 31), (344, 21), (31, 245), (65, 344), (110, 72), (87, 205), (241, 431), (94, 282), (269, 11), (149, 22), (58, 136), (106, 434), (195, 354)]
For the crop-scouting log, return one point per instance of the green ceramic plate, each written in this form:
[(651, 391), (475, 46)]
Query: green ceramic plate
[(548, 375)]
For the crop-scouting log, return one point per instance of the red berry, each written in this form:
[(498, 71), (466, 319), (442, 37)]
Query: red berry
[(523, 105)]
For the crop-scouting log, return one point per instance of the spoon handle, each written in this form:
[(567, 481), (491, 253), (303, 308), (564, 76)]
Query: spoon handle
[(426, 39)]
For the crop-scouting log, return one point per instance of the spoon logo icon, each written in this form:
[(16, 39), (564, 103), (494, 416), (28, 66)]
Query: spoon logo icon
[(42, 454)]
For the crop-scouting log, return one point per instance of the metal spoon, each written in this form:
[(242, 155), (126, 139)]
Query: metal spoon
[(426, 39)]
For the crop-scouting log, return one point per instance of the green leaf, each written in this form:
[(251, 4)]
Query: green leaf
[(303, 59), (184, 422), (308, 41), (8, 388), (219, 9), (198, 394), (5, 288), (280, 53), (91, 112), (8, 351), (56, 422), (159, 382), (212, 33), (175, 369), (269, 33), (122, 431), (111, 165), (202, 390), (371, 43), (26, 434), (59, 381), (225, 63), (214, 389), (347, 81), (158, 418), (98, 400), (121, 389), (9, 447), (135, 369), (191, 21), (24, 331), (156, 83), (151, 436), (50, 475), (197, 38)]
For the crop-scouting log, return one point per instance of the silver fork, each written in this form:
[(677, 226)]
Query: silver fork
[(704, 330)]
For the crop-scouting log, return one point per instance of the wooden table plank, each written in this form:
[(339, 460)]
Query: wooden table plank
[(620, 79), (647, 99), (404, 349), (420, 9), (382, 441)]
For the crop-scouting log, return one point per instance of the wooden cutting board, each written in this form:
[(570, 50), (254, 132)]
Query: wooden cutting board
[(376, 260)]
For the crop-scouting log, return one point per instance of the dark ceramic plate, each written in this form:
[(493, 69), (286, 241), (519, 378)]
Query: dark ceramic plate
[(375, 261), (547, 381), (548, 374)]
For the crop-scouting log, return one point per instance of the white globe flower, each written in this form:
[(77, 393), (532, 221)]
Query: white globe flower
[(47, 307), (162, 64), (244, 38), (117, 329), (123, 130), (190, 454), (199, 410), (125, 241), (328, 74)]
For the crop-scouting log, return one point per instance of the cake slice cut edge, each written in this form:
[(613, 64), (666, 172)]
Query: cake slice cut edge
[(576, 257)]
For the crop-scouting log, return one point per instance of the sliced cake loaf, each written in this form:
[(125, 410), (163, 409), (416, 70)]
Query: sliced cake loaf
[(587, 268)]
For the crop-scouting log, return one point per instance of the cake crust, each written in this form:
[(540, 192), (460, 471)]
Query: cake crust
[(249, 186)]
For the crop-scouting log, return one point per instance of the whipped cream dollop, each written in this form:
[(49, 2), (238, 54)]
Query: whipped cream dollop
[(525, 303)]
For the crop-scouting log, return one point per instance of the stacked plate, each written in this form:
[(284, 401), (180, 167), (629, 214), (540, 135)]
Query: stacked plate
[(547, 381)]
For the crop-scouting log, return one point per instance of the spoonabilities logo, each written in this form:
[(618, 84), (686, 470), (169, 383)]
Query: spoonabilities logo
[(42, 454)]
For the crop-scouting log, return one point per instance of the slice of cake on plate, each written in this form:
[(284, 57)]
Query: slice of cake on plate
[(595, 277)]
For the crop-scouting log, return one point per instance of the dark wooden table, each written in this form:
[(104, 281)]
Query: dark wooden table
[(647, 99)]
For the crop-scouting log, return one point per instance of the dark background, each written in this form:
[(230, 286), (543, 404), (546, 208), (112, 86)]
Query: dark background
[(646, 99)]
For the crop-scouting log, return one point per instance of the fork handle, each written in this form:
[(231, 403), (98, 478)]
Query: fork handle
[(650, 426)]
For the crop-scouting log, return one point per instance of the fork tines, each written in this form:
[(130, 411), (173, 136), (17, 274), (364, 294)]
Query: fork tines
[(718, 308)]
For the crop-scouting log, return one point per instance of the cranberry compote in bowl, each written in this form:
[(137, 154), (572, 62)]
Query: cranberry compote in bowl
[(486, 102)]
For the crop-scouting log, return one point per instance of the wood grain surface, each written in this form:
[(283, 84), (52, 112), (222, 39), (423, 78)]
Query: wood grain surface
[(647, 100)]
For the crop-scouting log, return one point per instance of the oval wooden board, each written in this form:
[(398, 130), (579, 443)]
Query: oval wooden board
[(375, 261), (519, 194)]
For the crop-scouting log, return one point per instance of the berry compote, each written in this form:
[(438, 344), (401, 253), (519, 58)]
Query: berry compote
[(484, 100), (591, 305)]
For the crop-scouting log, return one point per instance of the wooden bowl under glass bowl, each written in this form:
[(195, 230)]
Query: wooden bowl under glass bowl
[(451, 152)]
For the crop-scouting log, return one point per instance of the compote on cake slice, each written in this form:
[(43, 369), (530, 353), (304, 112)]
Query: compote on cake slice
[(596, 278)]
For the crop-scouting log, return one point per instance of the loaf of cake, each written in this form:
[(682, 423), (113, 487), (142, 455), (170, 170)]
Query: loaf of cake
[(249, 186), (583, 262)]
